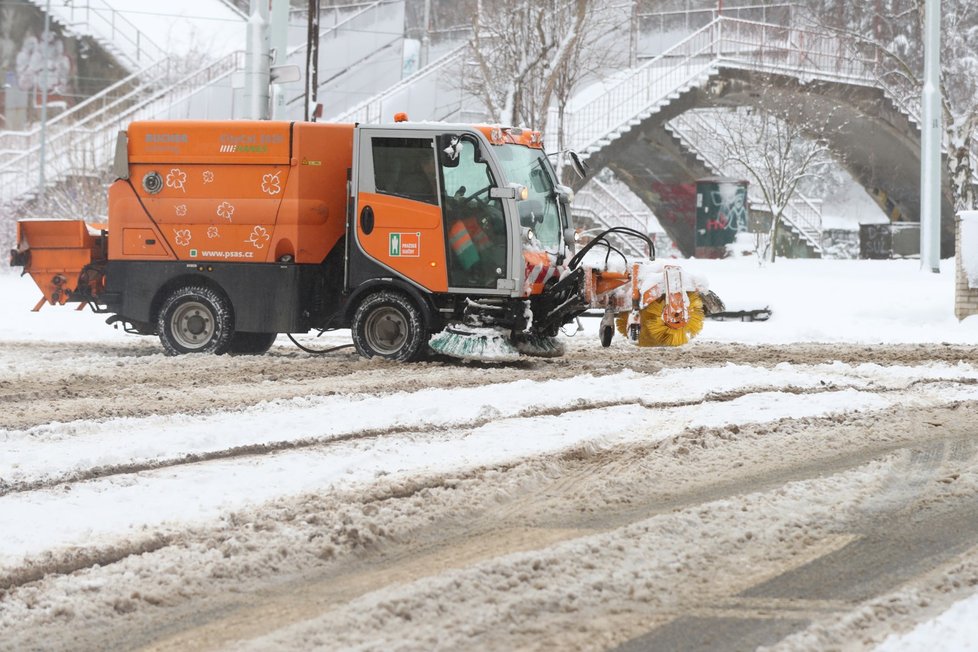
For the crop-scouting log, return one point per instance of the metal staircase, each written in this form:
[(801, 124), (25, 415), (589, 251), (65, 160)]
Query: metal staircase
[(692, 62), (599, 205), (82, 139), (113, 31), (434, 93), (365, 40), (76, 147)]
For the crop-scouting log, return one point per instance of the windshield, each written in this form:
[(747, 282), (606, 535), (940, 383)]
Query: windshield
[(530, 167)]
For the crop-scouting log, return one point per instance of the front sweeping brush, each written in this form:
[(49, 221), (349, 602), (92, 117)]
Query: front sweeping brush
[(656, 331), (482, 344)]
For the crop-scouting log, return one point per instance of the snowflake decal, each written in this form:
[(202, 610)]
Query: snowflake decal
[(259, 237), (225, 210), (270, 184), (212, 232), (181, 210), (208, 176), (177, 179), (182, 236)]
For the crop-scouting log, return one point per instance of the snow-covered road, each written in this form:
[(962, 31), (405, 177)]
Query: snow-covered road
[(756, 487)]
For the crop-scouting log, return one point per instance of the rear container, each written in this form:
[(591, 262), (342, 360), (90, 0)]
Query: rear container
[(64, 257)]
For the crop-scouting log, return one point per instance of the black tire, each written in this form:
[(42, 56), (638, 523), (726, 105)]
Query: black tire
[(251, 343), (388, 325), (195, 319), (607, 333)]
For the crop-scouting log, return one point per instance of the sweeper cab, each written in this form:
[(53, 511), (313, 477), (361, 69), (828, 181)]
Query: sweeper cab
[(221, 235)]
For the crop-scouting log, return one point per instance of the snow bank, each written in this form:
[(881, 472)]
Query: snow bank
[(955, 629), (858, 301)]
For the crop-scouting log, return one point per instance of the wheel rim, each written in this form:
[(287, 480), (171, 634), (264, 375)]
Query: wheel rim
[(192, 325), (386, 330)]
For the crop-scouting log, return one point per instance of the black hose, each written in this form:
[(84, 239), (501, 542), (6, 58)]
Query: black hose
[(319, 351), (602, 238)]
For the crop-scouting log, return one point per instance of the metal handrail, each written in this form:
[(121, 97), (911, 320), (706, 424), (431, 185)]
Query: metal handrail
[(609, 202), (332, 28), (725, 41), (369, 110), (597, 216), (120, 28), (28, 138)]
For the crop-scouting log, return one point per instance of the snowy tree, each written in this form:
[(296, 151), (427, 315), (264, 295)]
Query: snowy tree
[(892, 31), (776, 155), (523, 49)]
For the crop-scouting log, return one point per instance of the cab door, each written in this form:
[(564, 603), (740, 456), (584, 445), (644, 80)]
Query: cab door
[(397, 214), (478, 246)]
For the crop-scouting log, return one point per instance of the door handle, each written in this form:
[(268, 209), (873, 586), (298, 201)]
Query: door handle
[(367, 220)]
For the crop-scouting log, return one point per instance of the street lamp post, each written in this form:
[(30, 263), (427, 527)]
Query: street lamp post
[(44, 96), (930, 142)]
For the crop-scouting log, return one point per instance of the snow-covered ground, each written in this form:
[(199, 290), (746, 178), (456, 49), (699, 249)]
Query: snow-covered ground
[(861, 301), (130, 480)]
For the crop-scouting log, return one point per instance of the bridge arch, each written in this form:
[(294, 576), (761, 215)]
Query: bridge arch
[(872, 137)]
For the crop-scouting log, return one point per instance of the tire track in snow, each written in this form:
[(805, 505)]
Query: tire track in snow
[(262, 449), (74, 529)]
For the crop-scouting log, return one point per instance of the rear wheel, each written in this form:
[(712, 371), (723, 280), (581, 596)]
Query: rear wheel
[(389, 325), (195, 319), (251, 343)]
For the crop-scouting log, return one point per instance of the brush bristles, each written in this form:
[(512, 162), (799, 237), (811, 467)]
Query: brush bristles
[(655, 332)]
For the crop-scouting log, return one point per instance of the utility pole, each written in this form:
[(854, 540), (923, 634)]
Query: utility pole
[(279, 35), (44, 94), (257, 75), (633, 36), (930, 142), (312, 60)]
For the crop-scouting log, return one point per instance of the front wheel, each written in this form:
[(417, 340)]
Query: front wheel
[(195, 319), (388, 325)]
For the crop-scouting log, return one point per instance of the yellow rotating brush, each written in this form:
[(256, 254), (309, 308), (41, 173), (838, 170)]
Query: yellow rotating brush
[(656, 331)]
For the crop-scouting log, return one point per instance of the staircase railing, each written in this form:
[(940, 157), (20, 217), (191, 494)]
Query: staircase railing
[(85, 146), (104, 21), (16, 142), (360, 50), (395, 98), (728, 41), (597, 201), (641, 90)]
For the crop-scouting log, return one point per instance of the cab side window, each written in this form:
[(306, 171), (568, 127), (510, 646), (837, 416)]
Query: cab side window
[(405, 167), (475, 227)]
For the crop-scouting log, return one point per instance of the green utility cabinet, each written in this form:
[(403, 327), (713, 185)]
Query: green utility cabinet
[(721, 213)]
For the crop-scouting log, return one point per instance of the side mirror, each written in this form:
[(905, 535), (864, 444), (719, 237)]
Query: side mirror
[(531, 212), (579, 164)]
